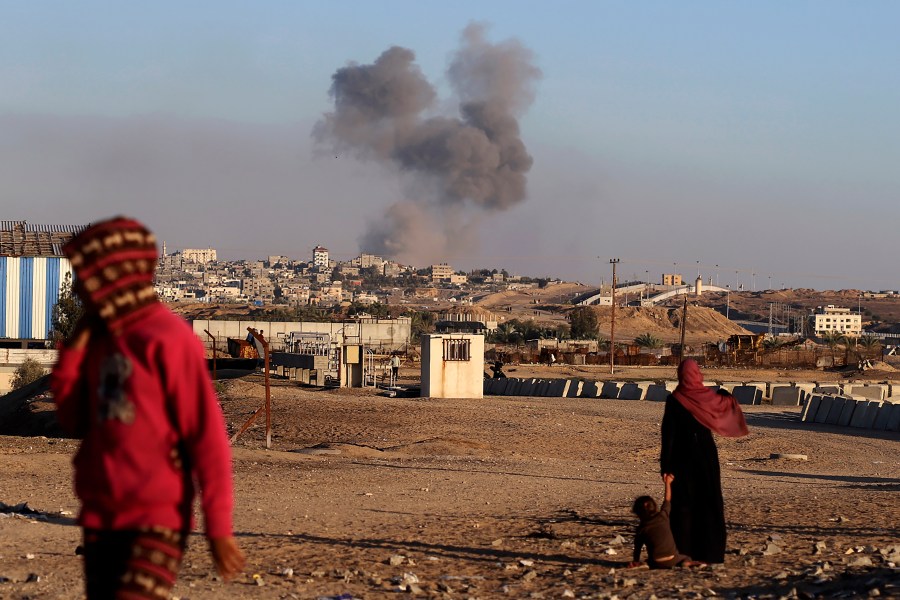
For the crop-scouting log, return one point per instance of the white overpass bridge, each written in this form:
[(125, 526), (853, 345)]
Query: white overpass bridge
[(647, 294)]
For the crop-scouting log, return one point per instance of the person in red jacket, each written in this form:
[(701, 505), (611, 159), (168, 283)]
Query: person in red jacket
[(132, 383)]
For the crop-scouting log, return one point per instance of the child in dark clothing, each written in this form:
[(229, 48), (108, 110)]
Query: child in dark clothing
[(653, 531)]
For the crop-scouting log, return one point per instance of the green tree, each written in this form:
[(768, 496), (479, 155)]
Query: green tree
[(648, 340), (506, 333), (583, 323), (66, 312), (29, 371), (772, 343), (420, 322), (832, 339), (871, 343)]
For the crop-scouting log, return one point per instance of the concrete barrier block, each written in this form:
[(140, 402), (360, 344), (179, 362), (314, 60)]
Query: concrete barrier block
[(557, 388), (540, 387), (590, 389), (824, 408), (893, 388), (762, 385), (747, 394), (610, 389), (787, 396), (831, 390), (526, 387), (774, 387), (633, 391), (893, 421), (574, 389), (846, 412), (865, 413), (806, 386), (657, 393), (810, 407), (834, 413), (729, 385), (671, 385), (870, 392), (884, 416)]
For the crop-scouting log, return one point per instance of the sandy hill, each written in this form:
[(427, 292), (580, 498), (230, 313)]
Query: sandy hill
[(703, 324), (557, 293)]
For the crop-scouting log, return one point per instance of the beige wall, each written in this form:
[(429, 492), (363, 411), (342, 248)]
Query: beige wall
[(11, 358), (452, 378)]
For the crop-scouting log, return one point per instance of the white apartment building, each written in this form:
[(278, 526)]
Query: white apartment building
[(832, 319), (320, 257), (199, 255)]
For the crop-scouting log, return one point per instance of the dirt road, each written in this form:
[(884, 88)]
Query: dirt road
[(502, 497)]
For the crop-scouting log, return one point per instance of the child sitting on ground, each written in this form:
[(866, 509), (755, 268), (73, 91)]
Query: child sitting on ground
[(653, 531)]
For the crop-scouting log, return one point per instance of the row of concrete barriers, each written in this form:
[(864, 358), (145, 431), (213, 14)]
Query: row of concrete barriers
[(749, 393), (846, 411)]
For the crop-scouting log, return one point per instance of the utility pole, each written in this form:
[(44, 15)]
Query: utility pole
[(612, 325), (683, 326)]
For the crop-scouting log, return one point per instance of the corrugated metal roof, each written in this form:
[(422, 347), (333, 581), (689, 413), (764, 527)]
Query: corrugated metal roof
[(19, 238)]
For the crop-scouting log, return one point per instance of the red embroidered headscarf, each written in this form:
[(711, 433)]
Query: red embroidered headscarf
[(114, 261), (719, 412)]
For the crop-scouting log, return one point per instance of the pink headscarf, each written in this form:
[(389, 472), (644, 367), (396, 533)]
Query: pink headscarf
[(719, 412)]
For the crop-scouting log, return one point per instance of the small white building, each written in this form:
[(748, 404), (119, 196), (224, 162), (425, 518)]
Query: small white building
[(452, 366), (833, 319)]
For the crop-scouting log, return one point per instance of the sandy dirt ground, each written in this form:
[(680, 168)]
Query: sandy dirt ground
[(505, 497)]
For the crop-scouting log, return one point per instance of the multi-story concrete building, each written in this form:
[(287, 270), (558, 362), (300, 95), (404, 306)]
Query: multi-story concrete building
[(441, 272), (832, 319), (364, 261), (199, 255), (320, 257), (672, 279)]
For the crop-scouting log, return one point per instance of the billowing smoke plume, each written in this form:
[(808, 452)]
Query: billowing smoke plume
[(457, 165)]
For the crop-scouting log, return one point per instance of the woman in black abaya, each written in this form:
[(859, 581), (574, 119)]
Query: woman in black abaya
[(692, 413)]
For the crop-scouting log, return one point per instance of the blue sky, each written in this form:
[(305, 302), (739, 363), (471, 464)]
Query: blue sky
[(762, 137)]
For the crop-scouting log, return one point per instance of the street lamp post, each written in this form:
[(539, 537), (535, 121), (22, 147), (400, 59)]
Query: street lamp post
[(727, 299), (612, 325)]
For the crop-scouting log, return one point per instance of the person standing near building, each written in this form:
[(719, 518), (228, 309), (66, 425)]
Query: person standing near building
[(693, 412), (132, 383), (395, 367)]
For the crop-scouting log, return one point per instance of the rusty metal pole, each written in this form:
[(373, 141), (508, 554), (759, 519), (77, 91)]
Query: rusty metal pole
[(265, 344), (206, 331), (612, 325)]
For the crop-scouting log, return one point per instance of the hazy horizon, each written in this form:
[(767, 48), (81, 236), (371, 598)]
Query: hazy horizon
[(759, 140)]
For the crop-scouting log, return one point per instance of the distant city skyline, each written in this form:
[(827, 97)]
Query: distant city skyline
[(758, 137)]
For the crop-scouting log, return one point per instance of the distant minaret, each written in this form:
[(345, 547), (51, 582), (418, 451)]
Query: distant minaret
[(164, 249)]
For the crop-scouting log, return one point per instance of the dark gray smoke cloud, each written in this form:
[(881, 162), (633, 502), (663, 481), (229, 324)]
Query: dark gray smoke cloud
[(457, 166)]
